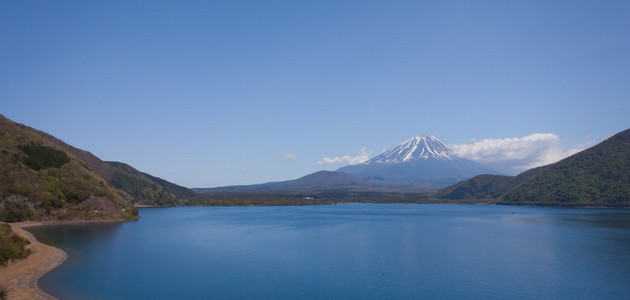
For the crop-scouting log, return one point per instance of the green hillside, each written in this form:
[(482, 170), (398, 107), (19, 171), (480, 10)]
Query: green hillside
[(138, 187), (485, 187), (12, 246), (598, 176), (41, 181), (147, 189), (479, 187)]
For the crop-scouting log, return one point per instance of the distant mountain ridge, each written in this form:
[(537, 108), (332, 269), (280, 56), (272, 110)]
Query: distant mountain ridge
[(43, 178), (314, 182), (598, 176), (419, 164)]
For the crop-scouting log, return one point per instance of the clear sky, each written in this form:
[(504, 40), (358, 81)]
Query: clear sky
[(212, 93)]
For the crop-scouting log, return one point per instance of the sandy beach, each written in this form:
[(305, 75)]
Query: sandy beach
[(20, 277)]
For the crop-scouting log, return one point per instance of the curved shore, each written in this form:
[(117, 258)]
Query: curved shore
[(20, 277)]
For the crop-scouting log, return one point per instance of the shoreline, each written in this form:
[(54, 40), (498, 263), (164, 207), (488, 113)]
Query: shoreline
[(20, 277)]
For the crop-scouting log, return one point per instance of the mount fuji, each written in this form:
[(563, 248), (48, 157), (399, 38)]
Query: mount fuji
[(418, 161), (419, 164), (417, 147)]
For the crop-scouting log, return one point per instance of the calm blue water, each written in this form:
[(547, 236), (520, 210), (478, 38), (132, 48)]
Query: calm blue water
[(352, 251)]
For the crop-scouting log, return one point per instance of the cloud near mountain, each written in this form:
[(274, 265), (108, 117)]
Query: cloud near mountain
[(347, 159), (288, 156), (513, 155)]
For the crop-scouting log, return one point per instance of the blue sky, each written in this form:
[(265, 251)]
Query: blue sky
[(212, 93)]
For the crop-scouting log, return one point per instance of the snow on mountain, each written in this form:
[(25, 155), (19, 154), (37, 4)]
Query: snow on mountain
[(417, 147), (419, 160)]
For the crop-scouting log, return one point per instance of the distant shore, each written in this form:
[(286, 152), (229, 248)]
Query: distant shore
[(145, 205)]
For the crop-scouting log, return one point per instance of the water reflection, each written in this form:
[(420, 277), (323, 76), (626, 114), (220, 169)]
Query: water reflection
[(67, 235), (614, 219)]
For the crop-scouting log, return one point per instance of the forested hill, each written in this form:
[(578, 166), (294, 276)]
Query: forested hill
[(488, 187), (43, 178), (138, 187), (41, 181), (148, 189), (598, 176)]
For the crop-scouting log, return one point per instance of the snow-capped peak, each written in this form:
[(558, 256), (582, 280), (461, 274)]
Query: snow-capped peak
[(417, 147)]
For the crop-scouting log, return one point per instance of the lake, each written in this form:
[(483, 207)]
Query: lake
[(349, 251)]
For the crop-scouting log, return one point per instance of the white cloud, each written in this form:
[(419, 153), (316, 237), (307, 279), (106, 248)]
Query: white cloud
[(351, 160), (288, 156), (513, 155)]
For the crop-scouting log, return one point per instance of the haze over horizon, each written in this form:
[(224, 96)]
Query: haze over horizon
[(208, 94)]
